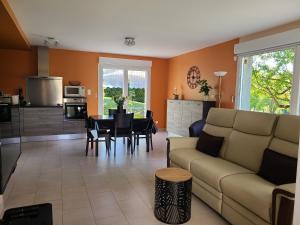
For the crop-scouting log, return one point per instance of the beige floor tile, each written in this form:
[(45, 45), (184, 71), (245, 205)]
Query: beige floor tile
[(116, 220), (84, 190)]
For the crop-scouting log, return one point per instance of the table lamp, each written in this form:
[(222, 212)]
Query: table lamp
[(220, 74)]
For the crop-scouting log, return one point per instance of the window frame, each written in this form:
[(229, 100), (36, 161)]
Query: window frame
[(125, 65), (243, 83)]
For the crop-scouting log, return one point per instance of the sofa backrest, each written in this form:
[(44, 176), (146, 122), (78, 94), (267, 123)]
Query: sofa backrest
[(219, 122), (251, 135), (286, 136)]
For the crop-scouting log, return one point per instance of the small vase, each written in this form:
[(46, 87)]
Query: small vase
[(206, 97)]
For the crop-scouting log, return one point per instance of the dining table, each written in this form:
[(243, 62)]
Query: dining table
[(107, 122)]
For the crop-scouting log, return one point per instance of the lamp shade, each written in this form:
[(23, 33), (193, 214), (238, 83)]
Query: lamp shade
[(220, 73)]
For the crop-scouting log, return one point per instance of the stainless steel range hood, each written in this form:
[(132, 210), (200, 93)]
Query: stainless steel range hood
[(43, 61), (43, 89)]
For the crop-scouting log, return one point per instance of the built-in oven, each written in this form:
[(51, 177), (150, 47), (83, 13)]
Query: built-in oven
[(75, 108), (5, 112)]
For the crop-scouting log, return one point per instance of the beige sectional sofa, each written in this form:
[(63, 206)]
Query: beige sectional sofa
[(229, 183)]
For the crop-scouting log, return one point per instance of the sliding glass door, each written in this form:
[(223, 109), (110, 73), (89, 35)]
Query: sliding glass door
[(116, 81)]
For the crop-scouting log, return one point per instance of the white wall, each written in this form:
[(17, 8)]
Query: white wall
[(297, 203)]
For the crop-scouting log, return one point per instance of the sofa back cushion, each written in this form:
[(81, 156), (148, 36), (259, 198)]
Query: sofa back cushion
[(251, 135), (286, 136), (219, 122)]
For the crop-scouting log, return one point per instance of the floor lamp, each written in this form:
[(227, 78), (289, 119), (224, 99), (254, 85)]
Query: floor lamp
[(220, 74)]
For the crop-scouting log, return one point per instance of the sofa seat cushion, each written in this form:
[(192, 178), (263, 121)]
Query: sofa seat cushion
[(211, 170), (250, 191), (184, 157)]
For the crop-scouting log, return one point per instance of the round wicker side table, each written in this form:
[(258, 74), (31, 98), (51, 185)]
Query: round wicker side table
[(173, 188)]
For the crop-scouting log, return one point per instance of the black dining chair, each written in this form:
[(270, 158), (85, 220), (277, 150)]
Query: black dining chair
[(94, 135), (123, 124), (143, 129), (114, 111)]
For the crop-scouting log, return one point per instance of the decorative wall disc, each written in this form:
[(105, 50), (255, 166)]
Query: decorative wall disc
[(193, 76)]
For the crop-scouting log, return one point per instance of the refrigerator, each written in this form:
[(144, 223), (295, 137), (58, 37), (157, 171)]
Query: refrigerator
[(44, 91)]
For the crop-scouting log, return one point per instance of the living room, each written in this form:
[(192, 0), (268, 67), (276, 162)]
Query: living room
[(183, 72)]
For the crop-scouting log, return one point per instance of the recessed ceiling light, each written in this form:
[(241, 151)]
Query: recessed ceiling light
[(129, 41)]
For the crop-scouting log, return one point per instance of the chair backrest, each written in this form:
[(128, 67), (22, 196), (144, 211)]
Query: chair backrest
[(123, 121), (115, 111), (89, 123), (142, 124), (149, 114)]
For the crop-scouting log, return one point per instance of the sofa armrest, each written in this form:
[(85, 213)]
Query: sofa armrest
[(283, 204), (179, 143)]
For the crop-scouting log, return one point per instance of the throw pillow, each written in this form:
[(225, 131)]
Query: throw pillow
[(278, 168), (209, 144)]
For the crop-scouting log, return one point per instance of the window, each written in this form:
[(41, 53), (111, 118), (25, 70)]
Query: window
[(268, 82), (122, 77)]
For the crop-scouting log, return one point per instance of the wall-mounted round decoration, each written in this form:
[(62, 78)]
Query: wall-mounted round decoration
[(193, 76)]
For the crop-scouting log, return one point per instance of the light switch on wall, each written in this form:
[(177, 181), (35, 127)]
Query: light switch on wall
[(89, 91)]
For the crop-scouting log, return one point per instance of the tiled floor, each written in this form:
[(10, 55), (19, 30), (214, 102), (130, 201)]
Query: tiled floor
[(106, 190)]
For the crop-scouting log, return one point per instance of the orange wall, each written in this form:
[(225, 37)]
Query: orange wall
[(15, 65), (83, 66), (215, 58)]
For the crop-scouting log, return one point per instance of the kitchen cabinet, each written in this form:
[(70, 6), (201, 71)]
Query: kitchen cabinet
[(74, 126), (10, 146), (42, 121), (38, 121)]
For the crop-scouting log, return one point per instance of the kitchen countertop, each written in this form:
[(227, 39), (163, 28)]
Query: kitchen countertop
[(41, 106)]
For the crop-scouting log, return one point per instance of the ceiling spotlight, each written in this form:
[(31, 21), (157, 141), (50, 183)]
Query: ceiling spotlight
[(129, 41)]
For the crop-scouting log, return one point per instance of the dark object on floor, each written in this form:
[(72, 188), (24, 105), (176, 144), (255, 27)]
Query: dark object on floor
[(173, 188), (29, 215)]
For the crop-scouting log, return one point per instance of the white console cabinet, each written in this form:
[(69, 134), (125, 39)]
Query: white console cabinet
[(182, 113)]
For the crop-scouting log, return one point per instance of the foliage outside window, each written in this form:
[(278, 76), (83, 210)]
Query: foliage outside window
[(271, 81)]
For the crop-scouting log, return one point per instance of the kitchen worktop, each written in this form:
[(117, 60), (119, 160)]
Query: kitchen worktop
[(42, 106)]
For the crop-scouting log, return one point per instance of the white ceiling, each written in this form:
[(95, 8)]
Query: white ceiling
[(162, 28)]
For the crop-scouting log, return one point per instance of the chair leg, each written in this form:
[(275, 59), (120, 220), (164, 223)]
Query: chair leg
[(138, 140), (115, 145), (151, 142), (87, 146), (131, 145), (134, 141), (147, 142), (92, 143), (97, 147), (107, 145), (123, 140)]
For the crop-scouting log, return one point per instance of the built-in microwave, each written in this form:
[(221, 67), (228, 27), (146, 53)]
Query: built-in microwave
[(74, 91)]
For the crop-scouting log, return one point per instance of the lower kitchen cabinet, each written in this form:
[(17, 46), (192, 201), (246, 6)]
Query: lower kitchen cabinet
[(36, 121), (74, 126)]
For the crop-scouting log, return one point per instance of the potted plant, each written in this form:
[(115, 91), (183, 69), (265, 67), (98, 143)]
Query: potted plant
[(120, 100), (204, 88)]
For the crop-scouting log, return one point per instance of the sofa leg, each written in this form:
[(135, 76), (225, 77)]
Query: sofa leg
[(168, 152)]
